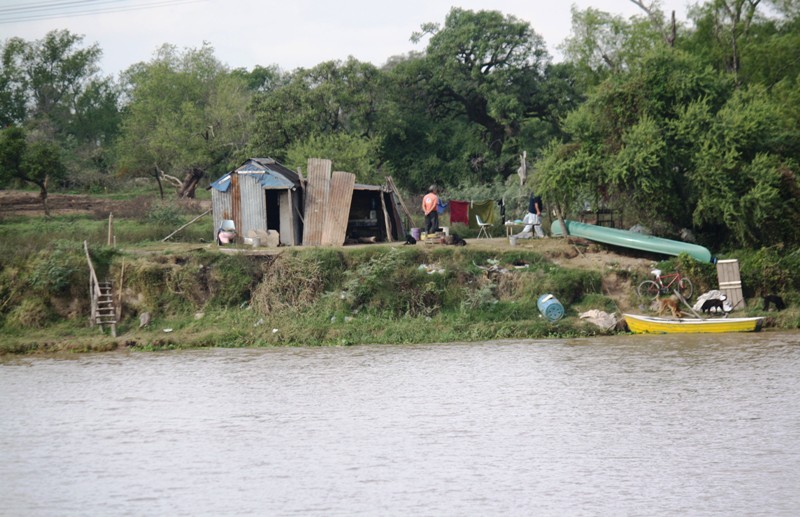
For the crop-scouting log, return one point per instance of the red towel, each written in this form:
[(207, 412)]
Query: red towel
[(459, 212)]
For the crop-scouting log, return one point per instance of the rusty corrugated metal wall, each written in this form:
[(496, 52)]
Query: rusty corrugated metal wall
[(316, 200), (340, 195)]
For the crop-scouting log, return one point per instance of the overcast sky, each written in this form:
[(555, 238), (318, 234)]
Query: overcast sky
[(288, 33)]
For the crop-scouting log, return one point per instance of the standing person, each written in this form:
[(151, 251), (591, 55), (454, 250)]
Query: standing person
[(535, 208), (430, 204)]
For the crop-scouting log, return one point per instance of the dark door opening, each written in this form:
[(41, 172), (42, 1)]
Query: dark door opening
[(273, 210)]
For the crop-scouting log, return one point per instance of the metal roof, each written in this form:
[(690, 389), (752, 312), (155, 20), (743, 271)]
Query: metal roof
[(272, 175)]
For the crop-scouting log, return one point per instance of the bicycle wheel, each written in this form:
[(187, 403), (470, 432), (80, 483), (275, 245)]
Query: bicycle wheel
[(686, 288), (648, 289)]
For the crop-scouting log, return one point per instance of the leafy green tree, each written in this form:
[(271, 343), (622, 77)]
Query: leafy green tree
[(333, 97), (484, 68), (13, 91), (347, 152), (675, 144), (186, 116), (36, 162), (739, 37), (602, 44), (741, 169), (261, 79), (54, 88), (419, 146)]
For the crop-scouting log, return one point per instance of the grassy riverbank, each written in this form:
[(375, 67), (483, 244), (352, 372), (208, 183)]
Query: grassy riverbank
[(193, 294)]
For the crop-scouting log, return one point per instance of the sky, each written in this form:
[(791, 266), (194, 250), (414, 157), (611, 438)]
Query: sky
[(287, 33)]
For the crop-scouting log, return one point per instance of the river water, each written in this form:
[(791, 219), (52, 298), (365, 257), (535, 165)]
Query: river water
[(627, 425)]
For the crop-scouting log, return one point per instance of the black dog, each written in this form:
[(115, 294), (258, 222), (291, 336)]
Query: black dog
[(454, 240), (712, 303), (773, 299), (410, 239)]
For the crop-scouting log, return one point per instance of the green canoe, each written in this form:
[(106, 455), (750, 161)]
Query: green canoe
[(634, 240)]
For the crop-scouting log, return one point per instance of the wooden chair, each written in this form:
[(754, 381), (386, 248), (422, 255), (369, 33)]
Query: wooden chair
[(482, 227)]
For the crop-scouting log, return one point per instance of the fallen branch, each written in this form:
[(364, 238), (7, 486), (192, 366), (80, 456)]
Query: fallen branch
[(185, 225)]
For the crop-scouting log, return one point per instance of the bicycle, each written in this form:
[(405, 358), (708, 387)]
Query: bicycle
[(665, 284)]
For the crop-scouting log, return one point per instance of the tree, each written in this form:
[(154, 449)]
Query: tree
[(724, 26), (13, 90), (186, 115), (35, 162), (676, 144), (743, 169), (333, 97), (486, 68), (602, 44), (347, 152), (53, 88)]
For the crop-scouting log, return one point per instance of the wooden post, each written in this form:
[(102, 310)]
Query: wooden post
[(390, 182), (387, 224), (110, 228)]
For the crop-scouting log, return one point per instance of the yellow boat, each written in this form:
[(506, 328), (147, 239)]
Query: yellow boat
[(639, 324)]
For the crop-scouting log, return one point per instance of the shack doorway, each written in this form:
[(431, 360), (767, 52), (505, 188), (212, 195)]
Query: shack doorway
[(273, 210)]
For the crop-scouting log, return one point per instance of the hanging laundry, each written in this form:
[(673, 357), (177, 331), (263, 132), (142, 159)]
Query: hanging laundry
[(485, 209), (459, 212)]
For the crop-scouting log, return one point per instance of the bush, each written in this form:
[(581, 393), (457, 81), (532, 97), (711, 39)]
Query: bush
[(32, 313), (60, 270), (769, 270), (390, 282), (289, 283)]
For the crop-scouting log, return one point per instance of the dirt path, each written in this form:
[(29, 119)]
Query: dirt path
[(16, 202), (27, 203)]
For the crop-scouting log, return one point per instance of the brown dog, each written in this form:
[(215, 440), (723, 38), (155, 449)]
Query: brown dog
[(672, 303)]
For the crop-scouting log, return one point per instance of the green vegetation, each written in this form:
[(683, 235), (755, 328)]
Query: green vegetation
[(376, 294), (675, 126), (380, 294), (691, 126)]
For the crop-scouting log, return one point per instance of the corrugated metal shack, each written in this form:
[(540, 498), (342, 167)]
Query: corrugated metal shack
[(327, 209), (259, 196), (338, 210)]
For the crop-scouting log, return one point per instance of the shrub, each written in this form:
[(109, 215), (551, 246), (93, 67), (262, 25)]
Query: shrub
[(57, 271), (32, 313), (289, 283), (390, 282)]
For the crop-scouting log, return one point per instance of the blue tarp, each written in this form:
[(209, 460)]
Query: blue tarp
[(222, 184), (283, 177)]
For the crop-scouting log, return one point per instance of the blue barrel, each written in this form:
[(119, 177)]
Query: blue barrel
[(550, 307)]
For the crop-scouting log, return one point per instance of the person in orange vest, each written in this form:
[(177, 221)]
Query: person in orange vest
[(429, 206)]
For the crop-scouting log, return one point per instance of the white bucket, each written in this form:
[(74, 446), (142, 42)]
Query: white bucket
[(512, 240)]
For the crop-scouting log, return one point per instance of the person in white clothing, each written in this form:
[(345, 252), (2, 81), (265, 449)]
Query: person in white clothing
[(532, 220)]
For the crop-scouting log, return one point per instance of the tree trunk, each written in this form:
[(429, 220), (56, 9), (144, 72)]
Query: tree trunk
[(189, 184), (560, 213), (43, 195), (157, 175)]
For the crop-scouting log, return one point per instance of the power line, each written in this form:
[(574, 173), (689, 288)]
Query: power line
[(70, 8), (38, 6)]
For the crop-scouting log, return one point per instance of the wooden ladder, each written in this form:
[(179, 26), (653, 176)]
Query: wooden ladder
[(106, 312)]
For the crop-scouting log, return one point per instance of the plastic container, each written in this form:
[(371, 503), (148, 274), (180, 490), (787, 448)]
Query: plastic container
[(550, 307), (415, 233), (512, 241)]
